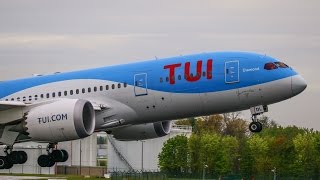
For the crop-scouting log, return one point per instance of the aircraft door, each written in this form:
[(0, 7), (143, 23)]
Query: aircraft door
[(140, 84), (232, 72)]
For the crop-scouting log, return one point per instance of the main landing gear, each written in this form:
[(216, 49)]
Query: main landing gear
[(255, 125), (12, 157), (53, 156)]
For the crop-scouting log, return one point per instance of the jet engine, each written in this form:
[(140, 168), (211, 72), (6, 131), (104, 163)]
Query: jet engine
[(62, 120), (142, 131)]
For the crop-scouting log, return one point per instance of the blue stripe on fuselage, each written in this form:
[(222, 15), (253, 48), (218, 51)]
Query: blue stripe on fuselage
[(155, 70)]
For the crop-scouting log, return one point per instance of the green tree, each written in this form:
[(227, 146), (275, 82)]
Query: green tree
[(174, 155), (194, 145), (218, 153), (230, 150), (220, 143), (210, 124), (259, 146), (237, 128), (306, 154), (267, 122), (246, 160), (208, 151)]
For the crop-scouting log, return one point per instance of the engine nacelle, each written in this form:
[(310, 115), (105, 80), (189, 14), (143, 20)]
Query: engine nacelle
[(142, 131), (62, 120)]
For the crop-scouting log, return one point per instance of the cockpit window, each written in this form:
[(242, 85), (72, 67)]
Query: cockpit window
[(270, 66), (281, 65)]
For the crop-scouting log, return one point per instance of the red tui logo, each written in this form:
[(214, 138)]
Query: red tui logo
[(172, 68)]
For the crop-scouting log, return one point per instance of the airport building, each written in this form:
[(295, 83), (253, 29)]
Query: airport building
[(100, 149), (139, 155)]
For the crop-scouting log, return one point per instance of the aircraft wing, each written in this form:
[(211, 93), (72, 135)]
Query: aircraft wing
[(5, 105)]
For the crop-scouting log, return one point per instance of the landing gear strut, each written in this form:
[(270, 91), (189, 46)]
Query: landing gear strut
[(255, 125), (53, 156), (12, 157)]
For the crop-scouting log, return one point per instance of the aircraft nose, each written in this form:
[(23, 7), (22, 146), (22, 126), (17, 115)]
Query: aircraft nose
[(298, 84)]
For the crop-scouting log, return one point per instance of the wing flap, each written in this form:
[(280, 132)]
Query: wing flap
[(5, 105)]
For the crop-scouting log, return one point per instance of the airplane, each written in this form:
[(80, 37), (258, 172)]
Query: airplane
[(138, 100)]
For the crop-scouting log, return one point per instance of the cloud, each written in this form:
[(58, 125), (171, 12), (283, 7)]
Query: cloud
[(81, 41)]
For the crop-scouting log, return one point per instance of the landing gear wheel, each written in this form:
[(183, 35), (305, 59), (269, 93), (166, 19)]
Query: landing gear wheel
[(57, 155), (54, 155), (9, 164), (65, 155), (51, 161), (23, 157), (44, 160), (14, 157), (3, 162), (17, 157), (255, 127)]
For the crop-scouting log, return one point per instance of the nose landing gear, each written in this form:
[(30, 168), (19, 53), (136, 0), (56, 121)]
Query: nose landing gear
[(255, 125), (53, 156)]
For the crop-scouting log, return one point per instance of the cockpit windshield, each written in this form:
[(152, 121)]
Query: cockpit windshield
[(275, 65), (281, 65), (270, 66)]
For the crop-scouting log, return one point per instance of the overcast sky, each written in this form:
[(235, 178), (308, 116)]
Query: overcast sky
[(42, 36)]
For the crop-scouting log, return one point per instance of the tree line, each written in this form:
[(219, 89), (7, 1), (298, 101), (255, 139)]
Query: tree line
[(222, 145)]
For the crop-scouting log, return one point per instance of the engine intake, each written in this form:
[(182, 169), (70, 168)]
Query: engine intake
[(63, 120)]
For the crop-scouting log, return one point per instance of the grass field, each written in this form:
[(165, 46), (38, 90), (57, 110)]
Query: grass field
[(44, 177)]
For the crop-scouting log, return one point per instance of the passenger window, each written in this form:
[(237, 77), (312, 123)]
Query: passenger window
[(179, 77), (65, 93), (48, 95), (83, 90), (24, 98), (95, 89), (35, 97), (107, 87), (204, 74), (119, 85), (18, 99), (30, 98), (12, 99), (281, 65), (59, 94), (71, 92), (270, 66), (125, 85), (161, 79), (101, 88), (167, 79), (7, 99), (41, 96), (89, 90), (77, 91), (113, 86), (53, 95)]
